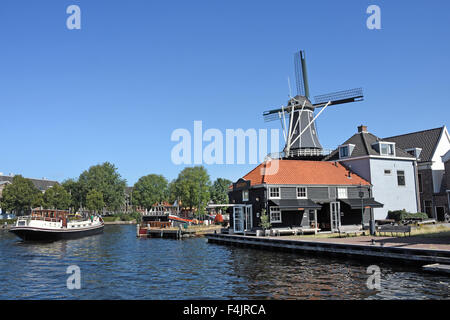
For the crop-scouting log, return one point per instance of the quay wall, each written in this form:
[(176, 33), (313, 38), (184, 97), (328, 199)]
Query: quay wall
[(340, 250)]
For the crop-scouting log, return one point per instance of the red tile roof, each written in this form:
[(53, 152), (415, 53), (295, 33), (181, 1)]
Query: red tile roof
[(303, 172)]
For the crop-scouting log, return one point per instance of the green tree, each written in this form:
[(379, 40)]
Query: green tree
[(219, 191), (265, 221), (20, 196), (192, 188), (57, 197), (172, 192), (149, 190), (74, 189), (105, 179), (94, 201)]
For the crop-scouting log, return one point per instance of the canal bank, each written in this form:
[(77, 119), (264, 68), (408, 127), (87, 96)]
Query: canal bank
[(362, 248)]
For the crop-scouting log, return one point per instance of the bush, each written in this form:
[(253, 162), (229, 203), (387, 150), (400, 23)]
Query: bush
[(400, 215), (8, 221)]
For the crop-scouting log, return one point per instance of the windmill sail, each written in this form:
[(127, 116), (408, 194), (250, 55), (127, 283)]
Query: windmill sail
[(301, 133)]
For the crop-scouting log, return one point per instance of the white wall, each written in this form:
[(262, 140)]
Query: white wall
[(438, 166), (386, 189)]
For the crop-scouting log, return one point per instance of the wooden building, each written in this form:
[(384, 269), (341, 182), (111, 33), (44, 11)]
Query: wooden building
[(302, 194)]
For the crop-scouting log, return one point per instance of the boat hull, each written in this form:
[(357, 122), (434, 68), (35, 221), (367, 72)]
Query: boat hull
[(38, 234)]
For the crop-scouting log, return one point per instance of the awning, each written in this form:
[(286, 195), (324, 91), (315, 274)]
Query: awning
[(295, 204), (367, 203)]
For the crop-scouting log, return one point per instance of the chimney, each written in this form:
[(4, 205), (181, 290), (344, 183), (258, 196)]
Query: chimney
[(362, 128)]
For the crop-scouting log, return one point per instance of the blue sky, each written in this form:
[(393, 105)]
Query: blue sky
[(137, 70)]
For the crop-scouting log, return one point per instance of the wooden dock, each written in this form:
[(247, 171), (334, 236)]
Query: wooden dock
[(175, 233), (399, 254)]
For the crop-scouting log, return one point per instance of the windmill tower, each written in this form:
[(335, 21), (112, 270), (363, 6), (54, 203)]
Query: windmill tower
[(299, 129)]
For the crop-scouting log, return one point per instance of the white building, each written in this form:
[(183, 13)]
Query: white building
[(390, 170)]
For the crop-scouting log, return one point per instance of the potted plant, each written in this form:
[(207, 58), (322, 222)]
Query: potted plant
[(265, 222)]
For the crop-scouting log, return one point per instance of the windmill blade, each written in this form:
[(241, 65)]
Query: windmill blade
[(273, 115), (340, 97), (299, 74)]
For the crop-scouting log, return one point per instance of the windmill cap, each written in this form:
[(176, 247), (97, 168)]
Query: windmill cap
[(299, 100)]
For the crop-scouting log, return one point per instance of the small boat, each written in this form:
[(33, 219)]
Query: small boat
[(51, 225)]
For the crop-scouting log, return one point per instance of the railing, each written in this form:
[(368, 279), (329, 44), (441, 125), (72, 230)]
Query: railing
[(300, 153), (156, 213)]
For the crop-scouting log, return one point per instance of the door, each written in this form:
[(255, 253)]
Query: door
[(248, 218), (238, 219), (335, 216), (440, 213)]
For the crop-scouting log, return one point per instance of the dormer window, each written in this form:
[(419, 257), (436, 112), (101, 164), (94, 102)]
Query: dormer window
[(415, 152), (385, 148), (345, 151)]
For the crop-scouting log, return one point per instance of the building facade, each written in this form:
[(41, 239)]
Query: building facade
[(390, 170), (429, 147), (305, 194)]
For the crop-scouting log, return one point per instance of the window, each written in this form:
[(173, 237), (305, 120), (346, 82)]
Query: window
[(275, 215), (343, 152), (415, 152), (342, 193), (274, 193), (387, 149), (387, 172), (245, 195), (301, 193), (420, 183), (401, 178)]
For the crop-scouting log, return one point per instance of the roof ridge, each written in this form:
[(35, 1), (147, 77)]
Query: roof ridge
[(415, 132), (365, 142)]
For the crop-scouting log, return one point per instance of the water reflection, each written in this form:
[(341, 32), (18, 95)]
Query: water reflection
[(116, 265)]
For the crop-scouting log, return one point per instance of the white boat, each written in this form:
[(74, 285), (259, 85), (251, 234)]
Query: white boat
[(50, 225)]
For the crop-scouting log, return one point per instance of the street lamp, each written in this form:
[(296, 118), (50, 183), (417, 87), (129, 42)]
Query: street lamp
[(361, 195)]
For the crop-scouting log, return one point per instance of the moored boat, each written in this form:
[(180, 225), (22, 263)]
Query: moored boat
[(51, 225)]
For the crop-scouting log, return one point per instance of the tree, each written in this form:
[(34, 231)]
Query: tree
[(20, 196), (219, 191), (105, 179), (57, 197), (192, 188), (149, 190), (94, 201), (265, 221), (172, 192), (74, 189)]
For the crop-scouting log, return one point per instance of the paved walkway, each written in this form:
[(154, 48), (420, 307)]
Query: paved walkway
[(413, 242)]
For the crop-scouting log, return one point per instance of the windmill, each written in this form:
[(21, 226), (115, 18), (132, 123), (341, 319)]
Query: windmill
[(299, 131)]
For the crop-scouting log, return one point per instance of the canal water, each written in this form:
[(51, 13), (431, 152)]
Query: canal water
[(117, 265)]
